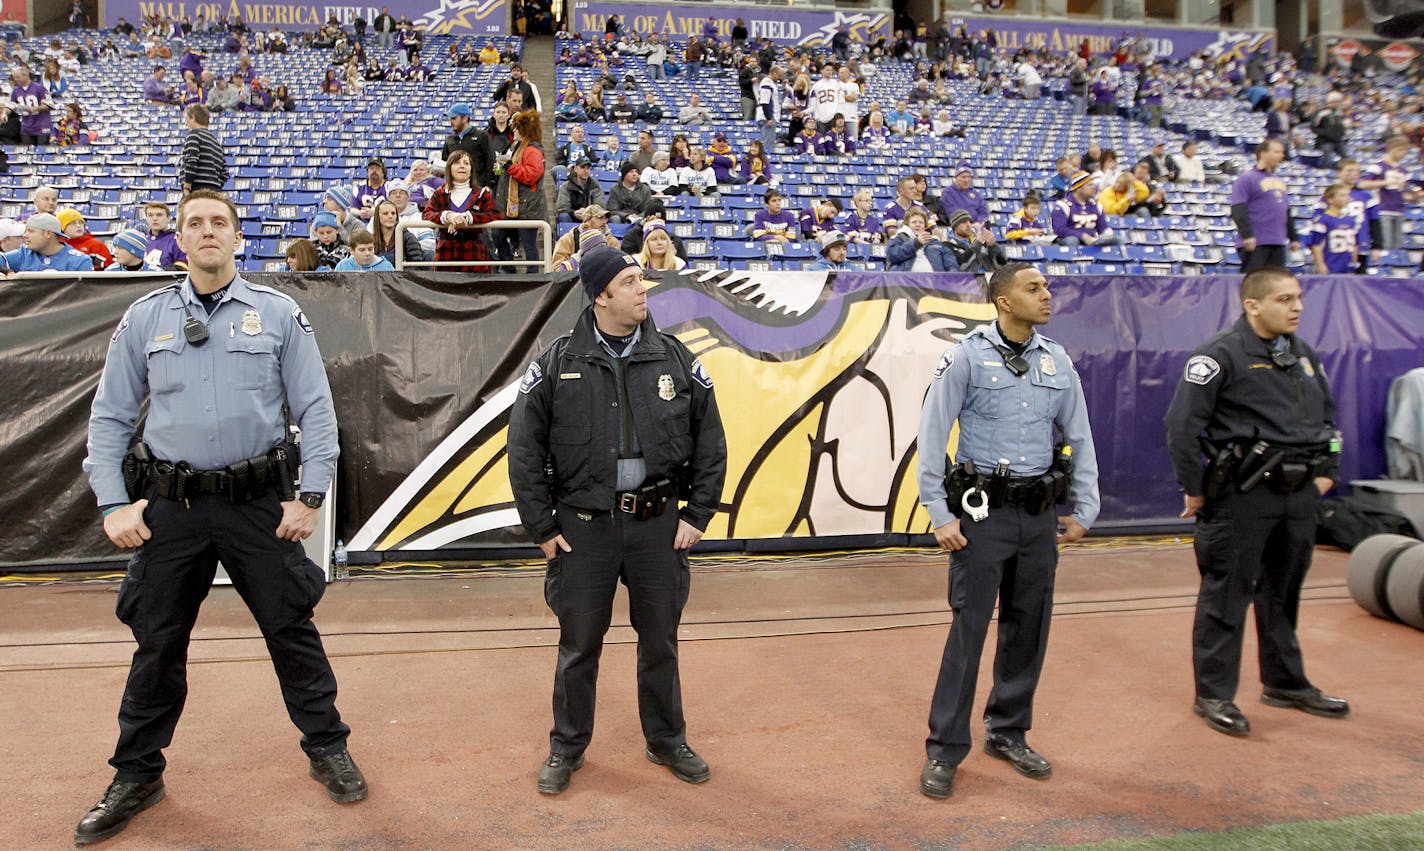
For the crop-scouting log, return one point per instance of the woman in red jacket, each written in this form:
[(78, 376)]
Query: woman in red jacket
[(520, 193), (461, 201)]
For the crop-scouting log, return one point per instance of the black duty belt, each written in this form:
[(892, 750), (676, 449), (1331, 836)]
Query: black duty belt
[(241, 482), (647, 501), (1035, 494), (1281, 469)]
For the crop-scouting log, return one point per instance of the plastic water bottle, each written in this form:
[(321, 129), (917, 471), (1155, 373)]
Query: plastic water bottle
[(340, 568)]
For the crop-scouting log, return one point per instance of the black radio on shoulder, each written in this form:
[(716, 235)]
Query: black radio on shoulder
[(195, 332)]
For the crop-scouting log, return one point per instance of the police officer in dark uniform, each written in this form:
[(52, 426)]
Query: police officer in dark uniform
[(1254, 405), (613, 425), (1024, 446), (219, 358)]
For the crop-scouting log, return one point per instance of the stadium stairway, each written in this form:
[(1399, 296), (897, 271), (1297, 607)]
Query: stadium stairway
[(539, 60)]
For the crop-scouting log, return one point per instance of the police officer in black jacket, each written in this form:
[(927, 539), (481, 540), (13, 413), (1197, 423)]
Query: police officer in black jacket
[(613, 425), (1255, 404)]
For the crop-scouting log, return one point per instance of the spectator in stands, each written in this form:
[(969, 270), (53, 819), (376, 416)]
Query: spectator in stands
[(723, 161), (863, 224), (337, 201), (45, 199), (421, 182), (1331, 127), (622, 112), (662, 177), (31, 101), (838, 141), (282, 100), (1104, 95), (461, 202), (1363, 206), (578, 192), (694, 113), (388, 214), (330, 83), (772, 223), (222, 97), (1260, 206), (769, 97), (642, 157), (363, 256), (1390, 182), (1187, 165), (12, 235), (1159, 165), (372, 188), (385, 28), (919, 188), (416, 70), (1029, 224), (875, 136), (191, 93), (692, 57), (915, 248), (77, 236), (833, 253), (590, 241), (489, 54), (1123, 194), (55, 83), (808, 141), (593, 105), (577, 148), (1155, 202), (129, 247), (592, 219), (72, 130), (679, 152), (201, 163), (1078, 219), (470, 139), (1078, 87), (656, 57), (894, 216), (154, 90), (521, 187), (658, 251), (330, 243), (1029, 80), (45, 250), (1333, 234), (650, 112), (963, 195), (163, 250), (500, 132), (697, 177), (972, 246), (819, 218), (1107, 171), (570, 105), (1064, 168), (627, 198), (901, 120), (756, 165), (1278, 123)]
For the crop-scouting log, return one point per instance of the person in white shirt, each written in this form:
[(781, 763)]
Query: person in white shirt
[(848, 104), (1029, 80), (697, 177), (1189, 165), (826, 96), (661, 178)]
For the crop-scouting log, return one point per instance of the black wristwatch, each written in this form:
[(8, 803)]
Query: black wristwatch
[(313, 500)]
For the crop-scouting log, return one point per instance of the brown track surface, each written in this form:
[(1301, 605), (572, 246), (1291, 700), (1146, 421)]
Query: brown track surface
[(806, 682)]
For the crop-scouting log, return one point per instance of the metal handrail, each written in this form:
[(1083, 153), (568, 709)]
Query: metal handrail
[(546, 234)]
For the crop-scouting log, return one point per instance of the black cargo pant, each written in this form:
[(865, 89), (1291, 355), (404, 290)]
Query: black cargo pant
[(1012, 556), (579, 588), (168, 578), (1253, 547)]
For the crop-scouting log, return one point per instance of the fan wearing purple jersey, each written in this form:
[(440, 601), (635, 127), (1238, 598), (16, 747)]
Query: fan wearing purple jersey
[(1362, 206), (774, 224), (1078, 219), (1332, 235), (31, 100), (1260, 206), (838, 141)]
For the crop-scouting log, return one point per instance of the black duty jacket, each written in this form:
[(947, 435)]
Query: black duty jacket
[(565, 413), (1232, 392)]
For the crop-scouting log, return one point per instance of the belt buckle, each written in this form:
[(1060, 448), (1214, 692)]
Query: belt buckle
[(628, 502)]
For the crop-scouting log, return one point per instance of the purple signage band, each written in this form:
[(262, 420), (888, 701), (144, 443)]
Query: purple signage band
[(1166, 43), (437, 17), (783, 26)]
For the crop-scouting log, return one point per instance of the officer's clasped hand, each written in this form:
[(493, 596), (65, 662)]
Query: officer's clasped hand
[(950, 538), (125, 527), (1072, 530), (298, 521)]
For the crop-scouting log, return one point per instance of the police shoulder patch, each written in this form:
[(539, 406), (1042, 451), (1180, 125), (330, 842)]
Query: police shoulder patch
[(946, 361), (123, 326), (1201, 369), (301, 320), (699, 374), (532, 376)]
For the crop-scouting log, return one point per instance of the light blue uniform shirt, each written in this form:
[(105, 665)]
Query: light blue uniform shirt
[(218, 403), (1003, 416)]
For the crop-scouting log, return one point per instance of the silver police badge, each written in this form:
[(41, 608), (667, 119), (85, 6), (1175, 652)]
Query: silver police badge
[(666, 391), (1046, 365), (251, 323), (1309, 367)]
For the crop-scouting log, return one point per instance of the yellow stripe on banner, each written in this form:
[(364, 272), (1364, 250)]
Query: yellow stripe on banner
[(436, 504)]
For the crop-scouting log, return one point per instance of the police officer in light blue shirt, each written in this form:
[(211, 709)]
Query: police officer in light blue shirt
[(218, 358), (45, 250), (1024, 445)]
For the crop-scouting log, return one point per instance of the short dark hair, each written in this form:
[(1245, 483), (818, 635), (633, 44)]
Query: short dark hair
[(834, 202), (1265, 145), (1257, 284), (1003, 278), (361, 236), (199, 114)]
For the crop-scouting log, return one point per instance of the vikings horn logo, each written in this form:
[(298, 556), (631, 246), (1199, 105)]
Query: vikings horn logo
[(819, 377)]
